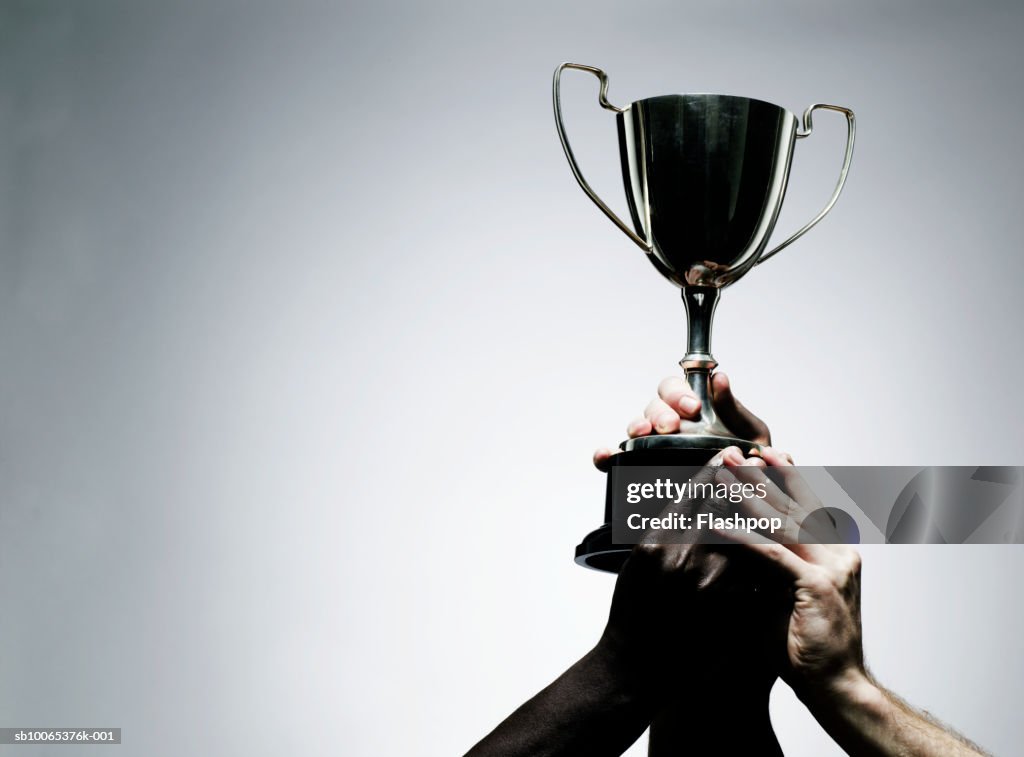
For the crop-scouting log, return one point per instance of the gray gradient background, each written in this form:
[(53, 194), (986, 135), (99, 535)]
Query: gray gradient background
[(290, 294)]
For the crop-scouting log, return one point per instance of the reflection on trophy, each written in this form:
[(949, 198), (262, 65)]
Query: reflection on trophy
[(705, 176)]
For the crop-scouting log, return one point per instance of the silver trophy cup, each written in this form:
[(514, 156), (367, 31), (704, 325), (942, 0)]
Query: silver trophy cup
[(705, 176)]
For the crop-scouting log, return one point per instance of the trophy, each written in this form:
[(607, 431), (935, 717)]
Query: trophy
[(705, 176)]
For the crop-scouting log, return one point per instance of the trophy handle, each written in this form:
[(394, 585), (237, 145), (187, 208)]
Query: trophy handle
[(603, 101), (808, 126)]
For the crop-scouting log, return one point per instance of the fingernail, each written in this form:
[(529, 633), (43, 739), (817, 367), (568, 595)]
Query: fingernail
[(724, 476), (689, 404), (734, 456), (665, 421)]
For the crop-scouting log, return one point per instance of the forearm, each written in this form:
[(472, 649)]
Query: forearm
[(866, 719), (596, 708), (731, 718)]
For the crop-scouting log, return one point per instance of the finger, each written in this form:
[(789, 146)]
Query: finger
[(718, 459), (664, 419), (602, 456), (739, 420), (806, 536), (639, 427), (794, 483), (792, 528), (732, 456), (779, 554), (675, 392), (711, 570), (683, 506), (749, 472), (778, 457)]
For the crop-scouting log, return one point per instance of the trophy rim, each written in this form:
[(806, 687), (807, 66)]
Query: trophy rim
[(719, 95)]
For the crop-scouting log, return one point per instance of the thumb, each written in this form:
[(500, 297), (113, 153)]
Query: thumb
[(734, 414)]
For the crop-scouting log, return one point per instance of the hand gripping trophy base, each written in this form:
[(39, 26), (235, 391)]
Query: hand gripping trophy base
[(695, 443)]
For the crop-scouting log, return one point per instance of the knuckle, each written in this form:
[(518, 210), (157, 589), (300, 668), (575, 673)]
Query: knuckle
[(670, 385), (649, 552), (853, 562), (820, 583)]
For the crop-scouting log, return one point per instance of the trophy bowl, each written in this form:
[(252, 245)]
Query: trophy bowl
[(705, 177)]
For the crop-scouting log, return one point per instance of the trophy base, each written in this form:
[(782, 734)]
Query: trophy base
[(687, 443), (597, 550)]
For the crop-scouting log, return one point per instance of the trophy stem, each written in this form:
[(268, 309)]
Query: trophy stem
[(700, 303), (707, 432)]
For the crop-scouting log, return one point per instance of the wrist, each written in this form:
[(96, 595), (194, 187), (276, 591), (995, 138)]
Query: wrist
[(843, 691), (612, 664)]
